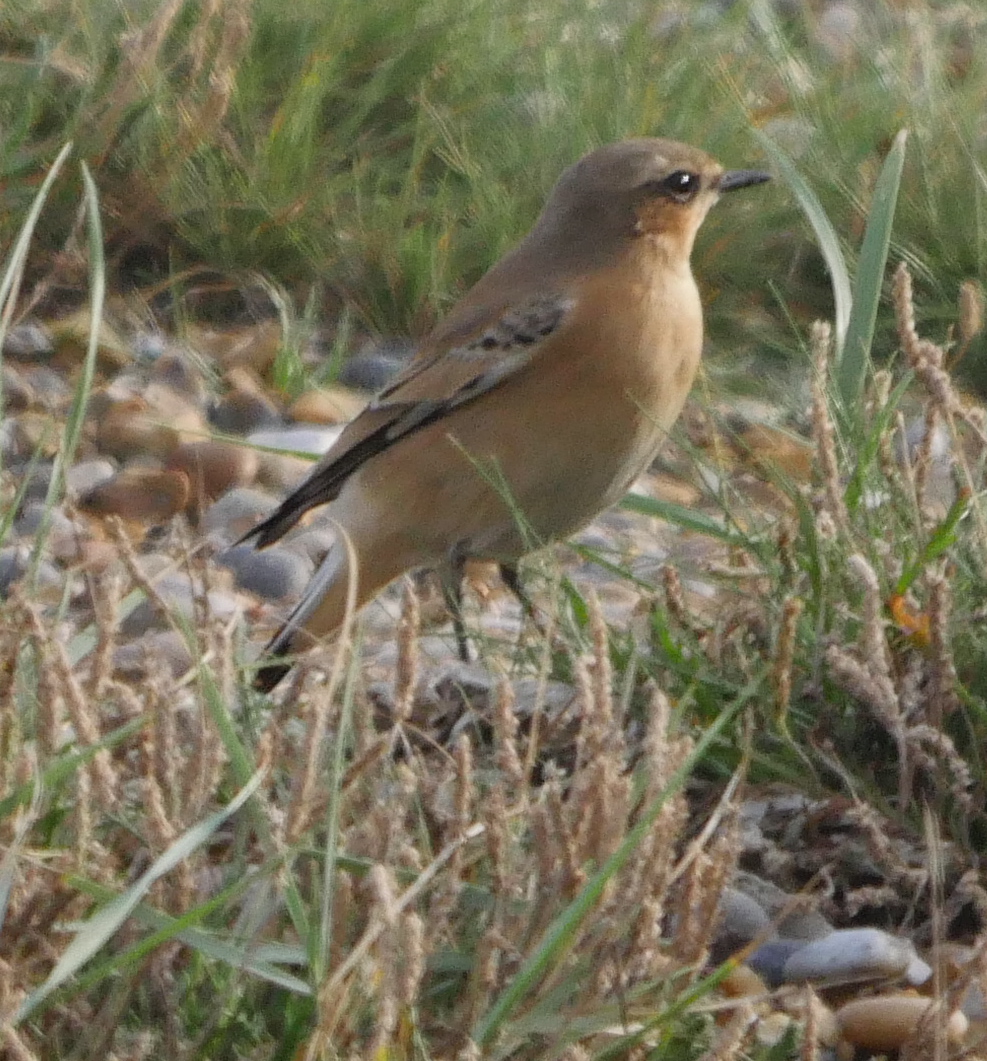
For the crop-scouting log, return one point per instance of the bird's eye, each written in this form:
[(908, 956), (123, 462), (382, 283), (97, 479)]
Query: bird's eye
[(681, 184)]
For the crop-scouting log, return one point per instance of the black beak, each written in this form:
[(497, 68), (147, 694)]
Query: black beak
[(741, 178)]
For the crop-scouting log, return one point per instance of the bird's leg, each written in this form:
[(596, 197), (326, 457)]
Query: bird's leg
[(451, 578), (511, 578)]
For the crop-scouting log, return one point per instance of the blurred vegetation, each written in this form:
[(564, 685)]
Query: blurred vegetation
[(378, 157)]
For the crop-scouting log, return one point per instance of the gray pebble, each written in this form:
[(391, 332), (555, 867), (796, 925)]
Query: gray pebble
[(376, 364), (742, 919), (274, 574), (850, 955), (311, 542), (27, 342), (32, 516), (178, 593), (86, 475), (233, 514), (306, 439), (165, 647), (18, 394), (240, 412), (14, 565), (796, 924), (769, 960), (38, 482)]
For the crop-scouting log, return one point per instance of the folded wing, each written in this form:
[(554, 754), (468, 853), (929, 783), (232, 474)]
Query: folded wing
[(435, 384)]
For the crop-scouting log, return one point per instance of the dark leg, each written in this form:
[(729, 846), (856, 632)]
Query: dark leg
[(452, 590), (512, 580)]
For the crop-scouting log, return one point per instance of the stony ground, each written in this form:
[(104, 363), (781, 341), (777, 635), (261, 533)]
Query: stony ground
[(184, 447)]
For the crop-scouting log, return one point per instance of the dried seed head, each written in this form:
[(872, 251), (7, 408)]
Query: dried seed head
[(971, 311)]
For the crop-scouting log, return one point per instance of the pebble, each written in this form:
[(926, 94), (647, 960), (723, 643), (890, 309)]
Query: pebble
[(769, 960), (128, 427), (71, 342), (796, 924), (141, 495), (179, 592), (376, 364), (32, 517), (284, 471), (887, 1022), (28, 342), (853, 954), (87, 475), (333, 405), (313, 441), (312, 542), (241, 411), (214, 467), (232, 515), (742, 919), (18, 394), (180, 371), (274, 574), (34, 481), (15, 561), (163, 646)]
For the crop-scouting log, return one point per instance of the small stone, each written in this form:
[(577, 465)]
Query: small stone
[(284, 471), (28, 342), (242, 410), (274, 574), (311, 542), (142, 495), (741, 919), (18, 394), (15, 563), (129, 428), (232, 515), (38, 483), (795, 924), (181, 372), (214, 467), (71, 338), (254, 347), (303, 441), (849, 955), (331, 405), (887, 1022), (376, 364), (769, 960), (33, 517), (181, 595), (164, 647), (86, 475)]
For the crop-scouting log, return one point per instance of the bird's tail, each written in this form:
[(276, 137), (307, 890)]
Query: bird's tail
[(335, 587)]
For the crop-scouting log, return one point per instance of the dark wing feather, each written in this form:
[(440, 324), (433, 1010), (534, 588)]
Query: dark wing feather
[(458, 375)]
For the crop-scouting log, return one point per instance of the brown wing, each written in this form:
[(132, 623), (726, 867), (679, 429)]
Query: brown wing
[(428, 390)]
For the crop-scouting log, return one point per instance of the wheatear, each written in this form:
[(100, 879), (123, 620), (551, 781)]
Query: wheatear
[(535, 404)]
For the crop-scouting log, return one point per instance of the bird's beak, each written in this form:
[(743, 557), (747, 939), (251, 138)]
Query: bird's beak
[(741, 178)]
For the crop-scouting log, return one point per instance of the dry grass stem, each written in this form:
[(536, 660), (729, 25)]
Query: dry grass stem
[(408, 663), (731, 1037), (823, 432), (781, 672)]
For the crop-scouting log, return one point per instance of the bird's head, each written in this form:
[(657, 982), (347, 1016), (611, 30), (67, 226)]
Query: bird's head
[(641, 188)]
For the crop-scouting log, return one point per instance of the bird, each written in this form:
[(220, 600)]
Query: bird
[(532, 407)]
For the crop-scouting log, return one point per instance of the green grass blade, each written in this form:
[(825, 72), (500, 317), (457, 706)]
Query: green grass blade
[(829, 242), (687, 518), (105, 922), (852, 360)]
